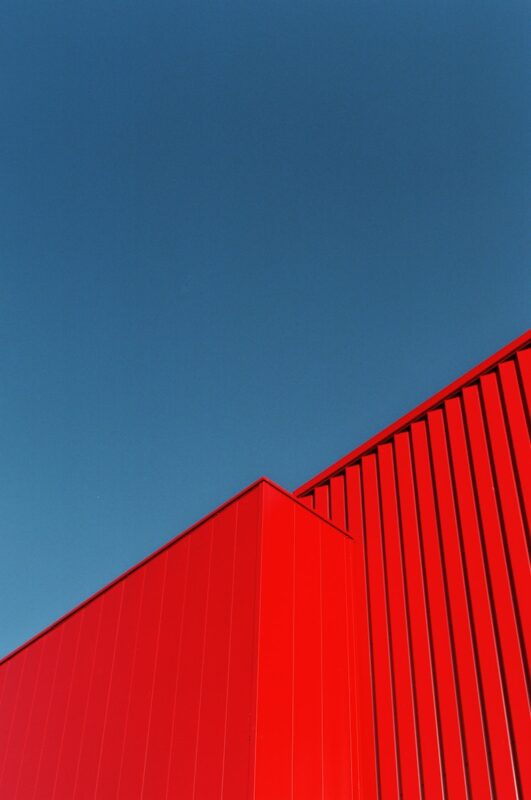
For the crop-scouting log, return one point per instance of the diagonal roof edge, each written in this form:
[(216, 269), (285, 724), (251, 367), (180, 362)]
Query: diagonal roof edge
[(190, 529), (508, 350)]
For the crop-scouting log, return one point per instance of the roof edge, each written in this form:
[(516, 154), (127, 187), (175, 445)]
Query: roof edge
[(505, 352), (251, 487)]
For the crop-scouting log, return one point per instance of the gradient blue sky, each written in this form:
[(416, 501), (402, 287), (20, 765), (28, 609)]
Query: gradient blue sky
[(236, 239)]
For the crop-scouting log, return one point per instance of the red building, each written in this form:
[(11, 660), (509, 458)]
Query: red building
[(367, 636)]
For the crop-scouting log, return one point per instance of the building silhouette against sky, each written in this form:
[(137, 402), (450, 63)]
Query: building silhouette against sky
[(365, 636)]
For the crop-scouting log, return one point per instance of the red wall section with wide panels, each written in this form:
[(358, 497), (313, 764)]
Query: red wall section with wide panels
[(439, 506), (305, 725), (219, 667)]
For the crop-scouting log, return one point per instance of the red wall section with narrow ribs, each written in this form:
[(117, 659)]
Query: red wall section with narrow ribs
[(210, 670), (439, 506)]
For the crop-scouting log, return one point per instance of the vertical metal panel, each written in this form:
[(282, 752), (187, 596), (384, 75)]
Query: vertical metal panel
[(321, 500), (59, 701), (400, 624), (307, 659), (21, 728), (241, 684), (157, 758), (443, 677), (439, 506), (27, 786), (383, 673), (275, 680), (140, 688), (423, 702), (210, 744), (307, 500), (89, 769), (337, 729), (11, 710), (115, 724), (85, 756), (187, 707), (337, 501), (304, 734), (363, 685)]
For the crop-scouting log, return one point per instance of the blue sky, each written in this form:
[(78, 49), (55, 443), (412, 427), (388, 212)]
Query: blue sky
[(236, 239)]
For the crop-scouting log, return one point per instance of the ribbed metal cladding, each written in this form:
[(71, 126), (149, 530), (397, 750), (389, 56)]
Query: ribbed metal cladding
[(439, 507)]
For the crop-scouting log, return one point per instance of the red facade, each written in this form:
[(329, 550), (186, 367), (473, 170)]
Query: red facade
[(439, 506), (270, 653)]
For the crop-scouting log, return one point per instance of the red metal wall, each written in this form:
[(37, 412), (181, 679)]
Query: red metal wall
[(134, 694), (214, 669), (439, 505), (268, 654), (305, 726)]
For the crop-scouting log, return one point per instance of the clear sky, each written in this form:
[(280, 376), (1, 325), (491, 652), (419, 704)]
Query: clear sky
[(236, 238)]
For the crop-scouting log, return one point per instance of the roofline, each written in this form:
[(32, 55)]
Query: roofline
[(517, 344), (254, 485)]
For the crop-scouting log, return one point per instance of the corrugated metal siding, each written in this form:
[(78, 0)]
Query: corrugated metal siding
[(439, 508)]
